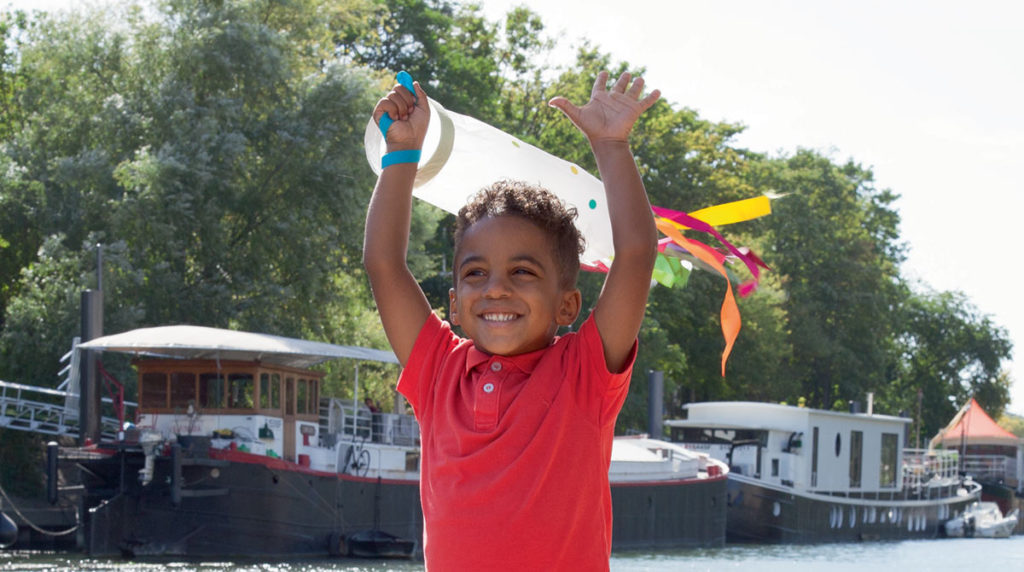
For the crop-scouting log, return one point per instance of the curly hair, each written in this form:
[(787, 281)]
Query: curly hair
[(537, 205)]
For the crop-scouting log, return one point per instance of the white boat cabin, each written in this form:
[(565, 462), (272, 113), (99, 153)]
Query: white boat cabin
[(807, 449)]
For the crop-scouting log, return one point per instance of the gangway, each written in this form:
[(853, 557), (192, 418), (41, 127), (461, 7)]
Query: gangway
[(31, 408), (52, 411)]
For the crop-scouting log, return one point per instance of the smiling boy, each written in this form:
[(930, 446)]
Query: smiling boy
[(516, 423)]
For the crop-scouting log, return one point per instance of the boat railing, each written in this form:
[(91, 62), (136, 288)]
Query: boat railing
[(922, 467), (991, 468), (344, 420), (44, 410)]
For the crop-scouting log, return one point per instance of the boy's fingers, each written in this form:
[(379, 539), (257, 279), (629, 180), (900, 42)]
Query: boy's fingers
[(421, 96), (385, 106), (648, 101), (600, 84), (566, 106), (621, 83), (404, 100), (636, 89)]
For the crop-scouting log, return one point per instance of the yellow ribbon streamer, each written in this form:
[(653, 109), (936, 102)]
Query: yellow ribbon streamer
[(736, 211)]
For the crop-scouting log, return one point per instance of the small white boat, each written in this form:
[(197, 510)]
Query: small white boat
[(982, 520)]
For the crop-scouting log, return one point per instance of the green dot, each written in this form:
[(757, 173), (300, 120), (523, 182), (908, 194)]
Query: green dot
[(593, 204)]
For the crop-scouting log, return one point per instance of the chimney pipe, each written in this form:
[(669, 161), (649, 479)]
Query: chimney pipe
[(89, 388), (655, 402)]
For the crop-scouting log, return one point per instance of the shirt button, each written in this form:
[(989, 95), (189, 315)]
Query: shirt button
[(488, 387), (496, 366)]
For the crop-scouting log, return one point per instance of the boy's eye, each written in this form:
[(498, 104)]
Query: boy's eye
[(523, 271)]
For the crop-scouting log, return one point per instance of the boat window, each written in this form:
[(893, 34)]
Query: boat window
[(856, 454), (270, 391), (264, 390), (240, 390), (890, 452), (275, 391), (154, 390), (314, 395), (839, 444), (289, 396), (211, 390), (302, 398), (183, 389), (775, 467), (814, 458)]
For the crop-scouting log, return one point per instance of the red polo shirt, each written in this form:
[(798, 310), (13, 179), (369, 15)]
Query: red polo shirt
[(515, 451)]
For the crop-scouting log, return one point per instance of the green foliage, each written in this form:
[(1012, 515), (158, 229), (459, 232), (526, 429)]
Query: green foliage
[(1012, 423), (830, 241), (21, 459), (449, 49), (949, 352), (224, 165)]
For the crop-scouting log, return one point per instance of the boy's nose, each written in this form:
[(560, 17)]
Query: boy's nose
[(496, 287)]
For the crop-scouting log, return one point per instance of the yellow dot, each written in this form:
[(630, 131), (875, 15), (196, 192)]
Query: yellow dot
[(575, 171), (516, 143)]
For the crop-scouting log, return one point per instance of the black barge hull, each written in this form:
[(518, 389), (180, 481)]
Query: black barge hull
[(767, 515), (238, 504), (680, 514)]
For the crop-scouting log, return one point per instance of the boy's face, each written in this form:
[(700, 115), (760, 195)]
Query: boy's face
[(508, 298)]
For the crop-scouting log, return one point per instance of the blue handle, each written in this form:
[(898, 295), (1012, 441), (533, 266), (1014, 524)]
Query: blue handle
[(405, 80)]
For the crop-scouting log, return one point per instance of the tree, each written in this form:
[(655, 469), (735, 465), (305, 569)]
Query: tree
[(832, 242), (950, 352), (221, 158), (450, 49)]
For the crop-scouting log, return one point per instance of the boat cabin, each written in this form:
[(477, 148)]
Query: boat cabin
[(271, 404), (809, 449)]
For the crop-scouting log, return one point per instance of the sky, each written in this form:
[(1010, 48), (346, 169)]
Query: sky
[(924, 93)]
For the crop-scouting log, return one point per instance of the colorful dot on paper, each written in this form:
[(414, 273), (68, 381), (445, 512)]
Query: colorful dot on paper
[(575, 171), (592, 204)]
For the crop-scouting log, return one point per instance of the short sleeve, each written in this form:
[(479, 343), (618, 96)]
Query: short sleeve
[(428, 352), (607, 390)]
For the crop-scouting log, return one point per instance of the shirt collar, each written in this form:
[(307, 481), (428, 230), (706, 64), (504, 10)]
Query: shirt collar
[(524, 362)]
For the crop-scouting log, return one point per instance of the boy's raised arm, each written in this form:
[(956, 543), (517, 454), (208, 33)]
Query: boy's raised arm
[(402, 305), (607, 120)]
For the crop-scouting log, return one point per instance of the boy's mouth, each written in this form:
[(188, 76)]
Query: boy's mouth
[(499, 317)]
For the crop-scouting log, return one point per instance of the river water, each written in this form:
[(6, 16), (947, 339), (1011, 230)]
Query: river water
[(907, 556)]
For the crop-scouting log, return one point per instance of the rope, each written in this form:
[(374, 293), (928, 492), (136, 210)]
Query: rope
[(32, 525)]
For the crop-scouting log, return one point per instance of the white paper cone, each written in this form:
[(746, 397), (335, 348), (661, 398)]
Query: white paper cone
[(462, 155)]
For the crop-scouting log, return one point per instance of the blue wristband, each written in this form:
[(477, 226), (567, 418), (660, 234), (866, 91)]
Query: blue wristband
[(396, 157)]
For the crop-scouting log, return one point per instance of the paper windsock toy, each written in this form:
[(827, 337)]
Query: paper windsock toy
[(462, 155)]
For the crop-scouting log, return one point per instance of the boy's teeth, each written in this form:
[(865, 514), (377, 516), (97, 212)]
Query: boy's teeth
[(499, 317)]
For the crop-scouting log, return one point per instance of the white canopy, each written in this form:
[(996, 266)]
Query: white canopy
[(199, 342)]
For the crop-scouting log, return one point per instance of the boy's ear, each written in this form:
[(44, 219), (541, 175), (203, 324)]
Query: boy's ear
[(453, 313), (569, 309)]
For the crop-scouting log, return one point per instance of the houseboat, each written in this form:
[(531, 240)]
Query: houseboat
[(802, 475), (235, 451)]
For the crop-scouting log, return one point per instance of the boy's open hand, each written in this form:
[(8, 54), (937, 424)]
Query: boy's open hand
[(411, 115), (610, 113)]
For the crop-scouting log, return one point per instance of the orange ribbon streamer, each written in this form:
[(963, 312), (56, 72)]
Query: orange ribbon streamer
[(730, 311)]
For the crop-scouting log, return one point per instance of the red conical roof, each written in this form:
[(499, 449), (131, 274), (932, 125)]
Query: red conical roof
[(975, 427)]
